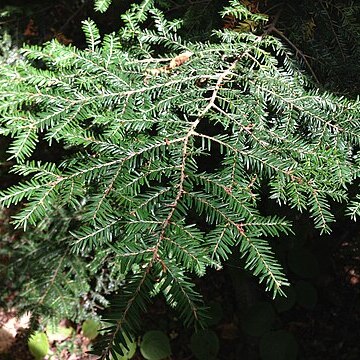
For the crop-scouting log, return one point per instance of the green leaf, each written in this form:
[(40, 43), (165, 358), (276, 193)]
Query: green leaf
[(38, 345), (90, 328), (155, 345)]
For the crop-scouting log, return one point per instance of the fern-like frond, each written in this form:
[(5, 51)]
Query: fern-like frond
[(354, 208), (180, 294), (124, 316), (102, 5), (92, 32)]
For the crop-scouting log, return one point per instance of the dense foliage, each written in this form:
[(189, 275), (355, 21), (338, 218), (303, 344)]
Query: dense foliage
[(169, 138)]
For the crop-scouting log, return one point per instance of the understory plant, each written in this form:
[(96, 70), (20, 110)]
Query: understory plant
[(163, 146)]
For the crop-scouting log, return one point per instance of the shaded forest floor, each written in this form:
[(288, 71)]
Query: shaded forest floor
[(329, 330)]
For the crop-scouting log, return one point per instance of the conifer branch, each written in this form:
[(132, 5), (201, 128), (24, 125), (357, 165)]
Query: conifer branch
[(141, 119)]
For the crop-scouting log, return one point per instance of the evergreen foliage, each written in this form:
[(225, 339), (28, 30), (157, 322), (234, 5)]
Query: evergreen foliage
[(102, 5), (169, 142), (326, 35)]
